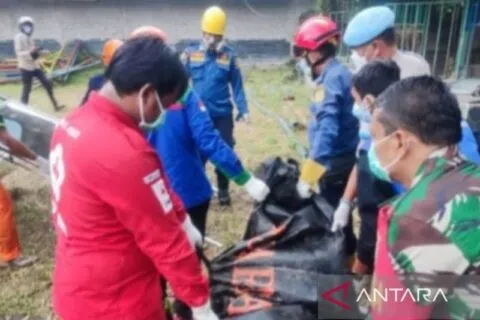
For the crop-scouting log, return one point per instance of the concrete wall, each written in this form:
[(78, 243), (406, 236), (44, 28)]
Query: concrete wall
[(64, 20)]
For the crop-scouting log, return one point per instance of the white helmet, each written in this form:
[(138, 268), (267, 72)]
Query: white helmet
[(24, 20)]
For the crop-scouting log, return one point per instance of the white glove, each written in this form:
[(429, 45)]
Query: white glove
[(193, 235), (204, 312), (257, 189), (341, 215), (43, 165), (303, 189)]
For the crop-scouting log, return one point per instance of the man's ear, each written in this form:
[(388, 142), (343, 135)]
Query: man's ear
[(369, 102), (404, 138)]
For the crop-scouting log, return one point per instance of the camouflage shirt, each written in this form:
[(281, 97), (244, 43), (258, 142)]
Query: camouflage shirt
[(435, 230)]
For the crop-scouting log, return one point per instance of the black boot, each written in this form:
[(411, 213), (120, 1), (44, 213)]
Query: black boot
[(224, 198)]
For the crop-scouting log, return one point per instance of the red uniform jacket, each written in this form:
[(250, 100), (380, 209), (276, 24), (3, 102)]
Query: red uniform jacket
[(118, 223)]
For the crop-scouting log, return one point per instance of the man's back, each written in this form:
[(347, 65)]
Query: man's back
[(176, 146), (333, 130), (95, 255), (118, 222), (411, 64)]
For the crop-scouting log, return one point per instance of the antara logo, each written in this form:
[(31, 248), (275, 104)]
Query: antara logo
[(402, 295), (396, 295)]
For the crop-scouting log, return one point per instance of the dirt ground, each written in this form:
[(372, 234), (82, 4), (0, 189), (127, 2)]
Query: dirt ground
[(26, 292)]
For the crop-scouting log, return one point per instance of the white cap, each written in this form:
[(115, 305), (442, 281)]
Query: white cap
[(25, 19)]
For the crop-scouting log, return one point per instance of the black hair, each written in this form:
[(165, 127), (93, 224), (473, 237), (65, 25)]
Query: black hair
[(387, 36), (147, 60), (423, 106), (375, 77), (327, 50)]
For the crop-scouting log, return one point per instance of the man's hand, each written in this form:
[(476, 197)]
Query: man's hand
[(244, 117), (35, 53), (341, 215), (309, 176), (257, 189), (303, 189), (204, 312), (194, 236)]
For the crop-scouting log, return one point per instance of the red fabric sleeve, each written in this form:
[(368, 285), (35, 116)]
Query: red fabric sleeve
[(146, 206)]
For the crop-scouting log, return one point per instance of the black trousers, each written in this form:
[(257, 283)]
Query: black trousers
[(198, 214), (371, 193), (224, 125), (27, 79), (332, 186)]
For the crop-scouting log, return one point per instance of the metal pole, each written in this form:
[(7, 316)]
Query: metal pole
[(450, 36), (417, 18), (404, 25), (472, 36), (437, 42), (426, 30), (462, 44)]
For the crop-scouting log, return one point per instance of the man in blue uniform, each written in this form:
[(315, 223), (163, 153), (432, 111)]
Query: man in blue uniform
[(214, 72), (186, 137), (182, 139), (333, 131)]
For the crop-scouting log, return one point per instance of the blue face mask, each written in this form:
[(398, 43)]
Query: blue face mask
[(378, 170), (364, 118), (361, 113)]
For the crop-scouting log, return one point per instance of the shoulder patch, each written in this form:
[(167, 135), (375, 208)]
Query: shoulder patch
[(197, 56), (319, 94), (223, 58)]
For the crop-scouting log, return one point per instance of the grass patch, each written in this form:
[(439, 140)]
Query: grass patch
[(27, 291)]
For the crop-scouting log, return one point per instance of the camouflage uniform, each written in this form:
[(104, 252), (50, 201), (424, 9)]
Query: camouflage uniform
[(435, 229)]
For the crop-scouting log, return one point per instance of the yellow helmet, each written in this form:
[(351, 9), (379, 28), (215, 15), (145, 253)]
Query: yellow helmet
[(214, 21)]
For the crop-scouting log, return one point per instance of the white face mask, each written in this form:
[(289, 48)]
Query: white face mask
[(141, 105), (358, 61), (27, 29), (210, 42)]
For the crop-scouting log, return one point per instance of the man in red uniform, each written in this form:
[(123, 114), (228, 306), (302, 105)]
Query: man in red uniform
[(119, 225)]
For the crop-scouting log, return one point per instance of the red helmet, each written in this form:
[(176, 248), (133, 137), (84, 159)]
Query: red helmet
[(314, 33)]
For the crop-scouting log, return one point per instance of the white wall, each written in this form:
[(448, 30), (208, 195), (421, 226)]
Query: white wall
[(270, 19)]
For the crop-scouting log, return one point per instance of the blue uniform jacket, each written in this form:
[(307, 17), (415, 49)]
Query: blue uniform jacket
[(94, 84), (212, 74), (468, 145), (333, 130), (185, 138)]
